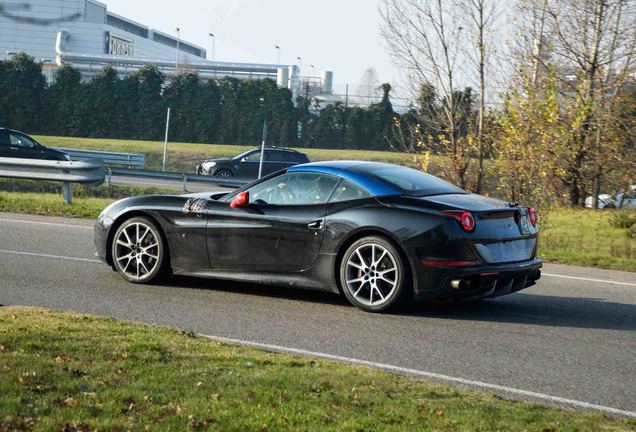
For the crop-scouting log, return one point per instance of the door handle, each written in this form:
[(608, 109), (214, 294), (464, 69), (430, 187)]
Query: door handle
[(317, 224)]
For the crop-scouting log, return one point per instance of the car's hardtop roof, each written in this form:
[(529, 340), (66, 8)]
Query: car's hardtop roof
[(345, 169), (287, 149)]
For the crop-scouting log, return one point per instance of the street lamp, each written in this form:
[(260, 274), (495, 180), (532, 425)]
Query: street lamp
[(277, 48), (300, 59), (213, 43), (176, 63)]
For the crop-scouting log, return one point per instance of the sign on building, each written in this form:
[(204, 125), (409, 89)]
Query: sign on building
[(119, 45)]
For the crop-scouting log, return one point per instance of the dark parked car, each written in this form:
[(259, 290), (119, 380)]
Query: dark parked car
[(246, 164), (378, 233), (15, 144)]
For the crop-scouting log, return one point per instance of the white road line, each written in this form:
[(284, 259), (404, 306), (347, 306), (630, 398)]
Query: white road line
[(589, 279), (431, 375), (17, 221), (39, 255)]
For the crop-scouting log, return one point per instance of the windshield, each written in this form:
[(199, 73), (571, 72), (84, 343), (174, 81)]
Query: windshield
[(242, 155), (409, 181)]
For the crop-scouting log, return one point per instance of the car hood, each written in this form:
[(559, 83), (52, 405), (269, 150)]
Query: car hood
[(57, 153), (222, 159)]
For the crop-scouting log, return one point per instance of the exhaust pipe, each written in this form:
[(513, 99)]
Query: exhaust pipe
[(458, 284)]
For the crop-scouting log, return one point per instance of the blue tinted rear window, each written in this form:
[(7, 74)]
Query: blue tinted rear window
[(408, 181)]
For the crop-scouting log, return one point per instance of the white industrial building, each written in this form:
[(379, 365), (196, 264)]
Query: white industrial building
[(86, 35)]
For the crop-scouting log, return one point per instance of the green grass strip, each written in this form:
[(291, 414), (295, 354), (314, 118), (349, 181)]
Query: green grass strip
[(61, 371)]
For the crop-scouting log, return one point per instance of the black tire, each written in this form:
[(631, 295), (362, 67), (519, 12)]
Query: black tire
[(391, 295), (133, 254), (225, 173)]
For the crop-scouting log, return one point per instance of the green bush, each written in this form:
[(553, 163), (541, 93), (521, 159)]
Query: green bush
[(623, 219), (631, 232)]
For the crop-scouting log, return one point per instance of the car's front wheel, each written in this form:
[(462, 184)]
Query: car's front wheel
[(373, 275), (138, 250), (225, 173)]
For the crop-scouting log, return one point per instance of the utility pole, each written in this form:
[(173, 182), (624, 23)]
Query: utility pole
[(176, 62), (213, 44), (165, 142), (260, 166)]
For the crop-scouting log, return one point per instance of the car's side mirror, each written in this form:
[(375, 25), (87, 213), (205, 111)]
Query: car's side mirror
[(241, 200)]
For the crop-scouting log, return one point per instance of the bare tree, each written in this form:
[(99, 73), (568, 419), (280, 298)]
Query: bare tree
[(594, 46), (588, 47), (424, 37), (369, 88), (480, 16)]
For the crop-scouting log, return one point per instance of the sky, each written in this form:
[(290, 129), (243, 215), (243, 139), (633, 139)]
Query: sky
[(338, 35)]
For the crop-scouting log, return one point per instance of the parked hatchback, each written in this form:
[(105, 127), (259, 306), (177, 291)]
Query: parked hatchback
[(15, 144), (246, 165)]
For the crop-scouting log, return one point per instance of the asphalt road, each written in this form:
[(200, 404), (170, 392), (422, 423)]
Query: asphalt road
[(572, 336)]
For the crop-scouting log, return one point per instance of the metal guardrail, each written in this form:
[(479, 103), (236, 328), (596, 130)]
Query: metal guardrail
[(130, 160), (185, 178), (90, 171)]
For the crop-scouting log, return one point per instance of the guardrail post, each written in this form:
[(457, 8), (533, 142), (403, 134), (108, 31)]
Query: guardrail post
[(67, 192), (109, 178), (185, 183)]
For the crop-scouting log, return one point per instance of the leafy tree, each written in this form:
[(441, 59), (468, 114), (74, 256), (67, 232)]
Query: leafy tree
[(21, 93)]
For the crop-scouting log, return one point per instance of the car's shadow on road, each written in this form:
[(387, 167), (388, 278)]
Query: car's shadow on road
[(253, 289), (520, 308), (538, 310)]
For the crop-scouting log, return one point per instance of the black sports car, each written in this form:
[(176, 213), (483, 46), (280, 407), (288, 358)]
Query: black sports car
[(15, 144), (246, 165), (376, 232)]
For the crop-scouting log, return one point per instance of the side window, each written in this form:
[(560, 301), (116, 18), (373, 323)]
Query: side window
[(301, 158), (275, 156), (254, 157), (294, 189), (348, 191), (4, 138), (21, 141)]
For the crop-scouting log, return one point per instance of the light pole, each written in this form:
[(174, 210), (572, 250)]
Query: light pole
[(176, 62), (300, 59), (313, 69), (263, 140), (213, 44), (277, 48)]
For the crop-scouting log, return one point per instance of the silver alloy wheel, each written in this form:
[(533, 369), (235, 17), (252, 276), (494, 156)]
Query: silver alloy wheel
[(371, 274), (224, 173), (136, 251)]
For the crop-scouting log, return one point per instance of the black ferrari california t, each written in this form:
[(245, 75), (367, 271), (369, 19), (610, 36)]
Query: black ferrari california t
[(378, 233)]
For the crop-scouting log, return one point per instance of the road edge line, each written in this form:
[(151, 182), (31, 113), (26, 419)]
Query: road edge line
[(425, 374), (588, 279)]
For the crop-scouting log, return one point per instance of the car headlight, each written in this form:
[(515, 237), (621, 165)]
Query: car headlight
[(209, 165)]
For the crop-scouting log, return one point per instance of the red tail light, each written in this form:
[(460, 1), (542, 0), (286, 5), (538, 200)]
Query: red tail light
[(466, 219), (532, 215)]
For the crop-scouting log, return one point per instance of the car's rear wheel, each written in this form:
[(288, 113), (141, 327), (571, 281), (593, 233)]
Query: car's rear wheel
[(372, 274), (139, 250), (224, 173)]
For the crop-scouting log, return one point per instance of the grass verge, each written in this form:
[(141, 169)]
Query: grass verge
[(183, 157), (586, 238), (45, 198), (74, 372)]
